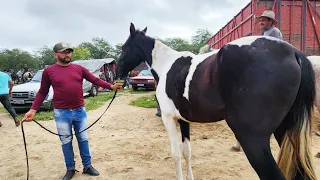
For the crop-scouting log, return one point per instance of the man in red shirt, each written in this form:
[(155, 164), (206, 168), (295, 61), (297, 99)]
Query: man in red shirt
[(69, 110)]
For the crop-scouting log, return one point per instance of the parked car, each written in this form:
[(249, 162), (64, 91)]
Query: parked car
[(23, 94), (144, 79)]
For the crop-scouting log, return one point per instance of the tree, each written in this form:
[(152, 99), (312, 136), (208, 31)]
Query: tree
[(201, 36), (99, 48), (15, 59), (45, 56), (117, 51), (177, 44), (200, 39), (81, 53)]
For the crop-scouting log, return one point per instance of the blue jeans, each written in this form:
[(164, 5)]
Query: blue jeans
[(65, 118)]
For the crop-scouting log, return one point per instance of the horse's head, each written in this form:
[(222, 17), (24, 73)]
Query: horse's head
[(136, 49)]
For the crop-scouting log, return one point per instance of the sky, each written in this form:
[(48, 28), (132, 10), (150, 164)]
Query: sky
[(33, 24)]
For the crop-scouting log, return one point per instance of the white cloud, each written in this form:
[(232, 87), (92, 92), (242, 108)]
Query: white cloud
[(31, 24)]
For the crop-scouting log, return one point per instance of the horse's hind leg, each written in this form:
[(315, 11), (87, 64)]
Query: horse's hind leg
[(253, 128), (171, 127), (258, 152), (186, 148)]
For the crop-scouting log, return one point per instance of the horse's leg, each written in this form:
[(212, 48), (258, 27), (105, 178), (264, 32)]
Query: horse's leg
[(186, 148), (253, 126), (171, 126), (256, 146)]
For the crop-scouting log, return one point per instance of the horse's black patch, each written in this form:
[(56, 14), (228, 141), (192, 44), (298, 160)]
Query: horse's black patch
[(177, 76), (204, 104), (185, 130)]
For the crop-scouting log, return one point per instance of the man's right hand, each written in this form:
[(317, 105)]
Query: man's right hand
[(29, 116), (116, 86)]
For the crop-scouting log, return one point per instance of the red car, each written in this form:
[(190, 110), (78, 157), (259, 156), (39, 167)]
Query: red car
[(144, 79)]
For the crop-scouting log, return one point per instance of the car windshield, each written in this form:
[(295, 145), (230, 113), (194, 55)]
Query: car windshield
[(37, 77), (145, 73)]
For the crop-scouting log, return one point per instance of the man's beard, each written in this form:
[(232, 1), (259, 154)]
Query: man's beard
[(64, 61)]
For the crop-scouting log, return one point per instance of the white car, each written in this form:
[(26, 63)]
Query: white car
[(23, 94)]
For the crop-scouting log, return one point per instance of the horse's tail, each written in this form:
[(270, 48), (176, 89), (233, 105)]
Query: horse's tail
[(295, 153)]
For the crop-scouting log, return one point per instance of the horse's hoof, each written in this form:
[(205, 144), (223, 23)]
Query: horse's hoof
[(317, 155), (235, 149), (316, 133)]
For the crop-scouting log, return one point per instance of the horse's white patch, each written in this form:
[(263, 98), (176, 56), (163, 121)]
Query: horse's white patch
[(162, 59), (171, 126), (196, 60), (186, 150), (248, 40)]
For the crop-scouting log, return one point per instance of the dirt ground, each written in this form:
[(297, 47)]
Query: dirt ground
[(127, 143)]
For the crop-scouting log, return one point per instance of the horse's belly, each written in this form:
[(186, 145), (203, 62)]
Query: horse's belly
[(203, 113)]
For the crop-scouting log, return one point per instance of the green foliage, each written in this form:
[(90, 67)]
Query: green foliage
[(45, 56), (98, 48), (146, 102), (81, 54), (15, 59), (97, 101), (197, 41)]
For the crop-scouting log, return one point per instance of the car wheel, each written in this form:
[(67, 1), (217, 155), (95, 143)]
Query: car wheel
[(93, 91), (134, 88)]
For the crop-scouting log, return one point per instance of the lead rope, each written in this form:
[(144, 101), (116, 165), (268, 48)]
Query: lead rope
[(24, 138)]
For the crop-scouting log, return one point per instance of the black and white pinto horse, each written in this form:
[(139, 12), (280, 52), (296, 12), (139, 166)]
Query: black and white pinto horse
[(259, 85), (26, 77)]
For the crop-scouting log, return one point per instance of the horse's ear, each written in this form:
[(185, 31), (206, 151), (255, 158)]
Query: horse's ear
[(145, 30), (132, 28)]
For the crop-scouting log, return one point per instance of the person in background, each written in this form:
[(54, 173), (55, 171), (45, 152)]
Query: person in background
[(19, 75), (6, 85), (69, 110), (267, 24), (25, 69)]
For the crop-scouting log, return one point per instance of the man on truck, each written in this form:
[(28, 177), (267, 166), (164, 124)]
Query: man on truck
[(267, 23)]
